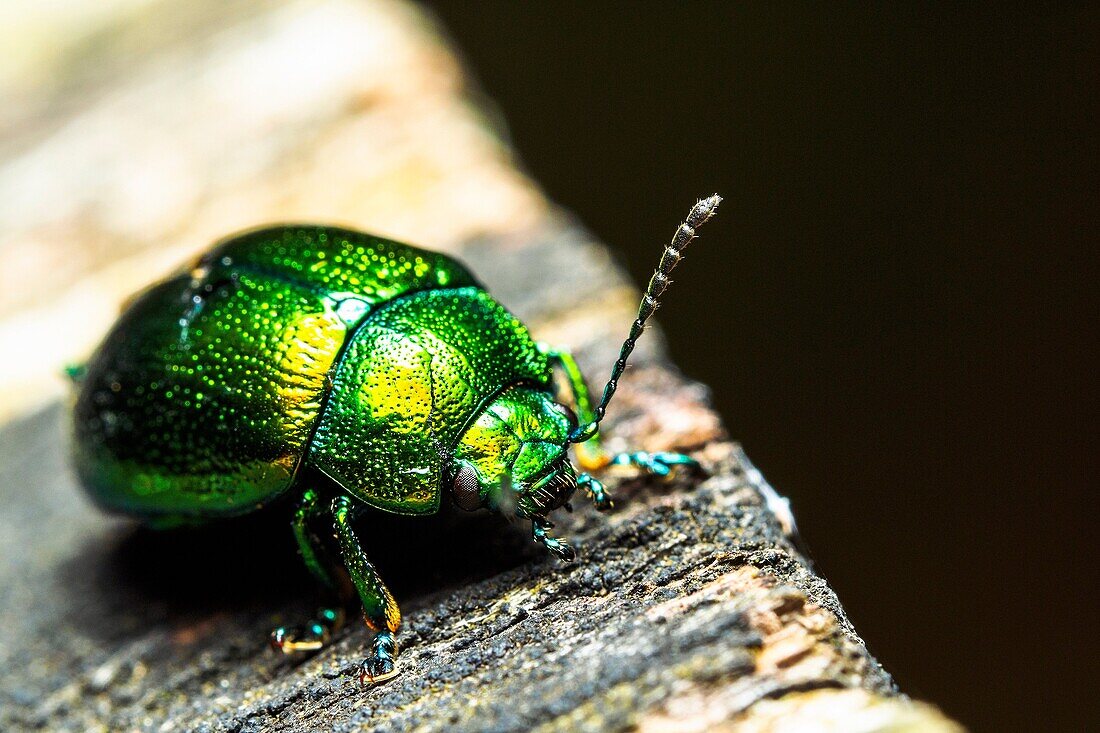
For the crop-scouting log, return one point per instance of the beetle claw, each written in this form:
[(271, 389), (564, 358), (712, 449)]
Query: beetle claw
[(659, 464), (376, 670), (540, 527), (298, 639), (563, 551), (595, 490), (380, 666), (308, 638)]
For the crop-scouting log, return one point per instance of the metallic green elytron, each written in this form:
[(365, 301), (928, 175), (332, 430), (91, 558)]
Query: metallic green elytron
[(340, 371)]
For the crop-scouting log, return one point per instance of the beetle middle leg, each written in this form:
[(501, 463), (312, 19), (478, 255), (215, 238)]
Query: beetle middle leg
[(659, 464), (379, 608), (318, 632)]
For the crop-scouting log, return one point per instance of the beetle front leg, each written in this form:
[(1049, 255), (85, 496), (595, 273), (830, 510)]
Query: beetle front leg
[(380, 611), (540, 530), (318, 632)]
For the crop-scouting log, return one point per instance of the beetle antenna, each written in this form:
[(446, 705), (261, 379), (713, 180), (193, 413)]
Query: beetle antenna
[(699, 215)]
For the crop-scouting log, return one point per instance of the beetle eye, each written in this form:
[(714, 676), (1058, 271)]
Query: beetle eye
[(568, 411), (465, 489)]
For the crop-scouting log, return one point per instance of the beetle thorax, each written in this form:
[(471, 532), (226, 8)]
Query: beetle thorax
[(513, 455)]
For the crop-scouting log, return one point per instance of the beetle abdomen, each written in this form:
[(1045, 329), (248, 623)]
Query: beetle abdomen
[(205, 407), (414, 374), (202, 400)]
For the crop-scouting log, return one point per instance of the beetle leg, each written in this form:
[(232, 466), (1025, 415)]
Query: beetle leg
[(659, 464), (590, 454), (379, 609), (318, 632), (595, 491), (540, 528), (309, 544), (312, 636)]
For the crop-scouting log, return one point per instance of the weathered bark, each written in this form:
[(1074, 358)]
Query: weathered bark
[(688, 609)]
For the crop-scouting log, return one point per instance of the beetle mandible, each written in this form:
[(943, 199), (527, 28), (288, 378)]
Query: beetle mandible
[(343, 371)]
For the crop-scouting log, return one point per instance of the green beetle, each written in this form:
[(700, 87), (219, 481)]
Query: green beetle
[(344, 371)]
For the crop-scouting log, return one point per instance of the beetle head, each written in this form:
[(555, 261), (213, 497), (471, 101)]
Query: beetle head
[(513, 456)]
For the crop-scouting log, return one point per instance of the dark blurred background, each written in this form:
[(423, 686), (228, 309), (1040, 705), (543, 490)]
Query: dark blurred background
[(893, 308)]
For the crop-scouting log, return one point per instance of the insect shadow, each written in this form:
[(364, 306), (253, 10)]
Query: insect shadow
[(143, 579)]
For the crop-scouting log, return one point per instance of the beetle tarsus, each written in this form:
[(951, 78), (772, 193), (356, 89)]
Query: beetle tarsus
[(310, 637), (659, 464), (595, 490), (540, 527), (381, 665)]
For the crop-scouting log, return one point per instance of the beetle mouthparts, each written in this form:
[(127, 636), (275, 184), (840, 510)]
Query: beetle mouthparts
[(552, 491)]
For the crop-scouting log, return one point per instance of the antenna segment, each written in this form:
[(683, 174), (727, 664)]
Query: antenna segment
[(699, 215)]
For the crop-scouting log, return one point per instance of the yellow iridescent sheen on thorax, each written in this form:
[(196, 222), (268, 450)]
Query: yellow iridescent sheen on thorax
[(518, 437), (415, 374)]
